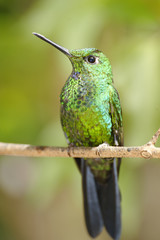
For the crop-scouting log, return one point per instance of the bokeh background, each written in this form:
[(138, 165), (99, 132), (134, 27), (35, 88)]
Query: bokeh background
[(40, 198)]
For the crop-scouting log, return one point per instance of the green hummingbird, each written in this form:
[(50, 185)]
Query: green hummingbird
[(91, 115)]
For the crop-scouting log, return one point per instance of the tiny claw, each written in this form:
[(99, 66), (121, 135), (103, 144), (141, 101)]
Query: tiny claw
[(101, 147), (69, 150)]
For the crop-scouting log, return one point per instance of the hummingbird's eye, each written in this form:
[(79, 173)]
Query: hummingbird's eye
[(91, 59)]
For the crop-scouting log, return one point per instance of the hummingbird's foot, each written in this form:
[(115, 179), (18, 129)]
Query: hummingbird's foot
[(101, 147), (70, 146)]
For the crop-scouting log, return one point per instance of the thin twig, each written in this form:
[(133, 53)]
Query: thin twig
[(103, 151), (154, 138)]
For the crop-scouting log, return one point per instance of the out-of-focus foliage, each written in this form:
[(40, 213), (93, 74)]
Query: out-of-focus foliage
[(41, 198)]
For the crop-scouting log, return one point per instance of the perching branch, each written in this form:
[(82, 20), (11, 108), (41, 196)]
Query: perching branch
[(146, 151)]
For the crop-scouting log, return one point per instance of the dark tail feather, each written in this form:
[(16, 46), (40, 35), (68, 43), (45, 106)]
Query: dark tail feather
[(92, 210), (109, 196), (118, 166)]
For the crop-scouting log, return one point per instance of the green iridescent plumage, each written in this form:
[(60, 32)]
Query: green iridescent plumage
[(90, 116), (90, 106)]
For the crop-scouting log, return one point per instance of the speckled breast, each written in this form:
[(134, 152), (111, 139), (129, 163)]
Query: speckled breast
[(85, 116)]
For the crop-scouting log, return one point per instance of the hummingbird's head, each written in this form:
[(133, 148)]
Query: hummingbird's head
[(92, 62), (88, 61)]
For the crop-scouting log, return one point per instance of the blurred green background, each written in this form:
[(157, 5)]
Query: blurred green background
[(41, 198)]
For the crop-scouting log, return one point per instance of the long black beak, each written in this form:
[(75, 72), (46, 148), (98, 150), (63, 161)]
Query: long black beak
[(62, 49)]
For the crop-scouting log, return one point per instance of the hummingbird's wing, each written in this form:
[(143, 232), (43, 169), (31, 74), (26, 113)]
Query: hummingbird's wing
[(116, 116), (109, 193)]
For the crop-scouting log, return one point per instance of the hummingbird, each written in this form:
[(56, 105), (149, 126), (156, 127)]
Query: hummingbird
[(91, 115)]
